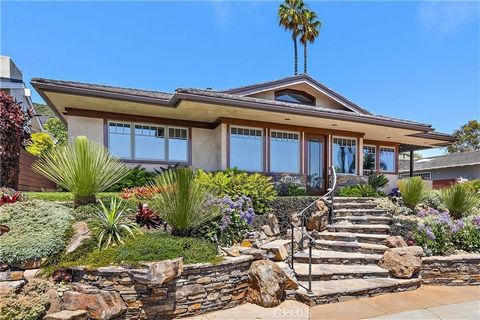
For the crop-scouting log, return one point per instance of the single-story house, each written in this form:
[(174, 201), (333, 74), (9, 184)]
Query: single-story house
[(447, 169), (293, 128)]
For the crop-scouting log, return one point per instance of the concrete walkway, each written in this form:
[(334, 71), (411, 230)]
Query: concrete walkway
[(427, 302)]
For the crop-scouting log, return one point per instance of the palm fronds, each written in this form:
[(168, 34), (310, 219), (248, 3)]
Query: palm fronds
[(459, 200), (414, 191)]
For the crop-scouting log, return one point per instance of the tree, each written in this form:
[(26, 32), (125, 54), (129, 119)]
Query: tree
[(309, 31), (14, 133), (290, 18), (39, 143), (468, 138), (58, 130)]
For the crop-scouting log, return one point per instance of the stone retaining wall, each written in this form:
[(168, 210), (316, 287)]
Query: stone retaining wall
[(456, 270), (157, 293)]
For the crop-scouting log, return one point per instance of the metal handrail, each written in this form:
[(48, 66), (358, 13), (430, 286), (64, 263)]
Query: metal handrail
[(305, 235)]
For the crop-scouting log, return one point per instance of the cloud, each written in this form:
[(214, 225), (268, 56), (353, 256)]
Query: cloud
[(446, 18)]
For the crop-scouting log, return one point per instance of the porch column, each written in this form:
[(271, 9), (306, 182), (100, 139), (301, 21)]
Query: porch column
[(360, 156), (411, 163)]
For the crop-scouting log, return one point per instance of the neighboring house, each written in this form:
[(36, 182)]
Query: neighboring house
[(447, 169), (294, 128)]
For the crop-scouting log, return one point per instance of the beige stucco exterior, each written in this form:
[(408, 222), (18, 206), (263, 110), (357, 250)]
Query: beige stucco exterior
[(221, 147), (203, 149), (92, 128)]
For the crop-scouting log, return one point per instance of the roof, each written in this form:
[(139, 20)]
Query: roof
[(292, 79), (460, 159)]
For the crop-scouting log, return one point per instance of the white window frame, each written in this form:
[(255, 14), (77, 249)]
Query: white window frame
[(131, 138), (167, 144), (262, 134), (298, 151), (356, 154), (394, 158)]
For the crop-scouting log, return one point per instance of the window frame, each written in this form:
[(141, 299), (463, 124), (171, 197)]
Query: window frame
[(395, 157), (357, 144), (375, 163), (130, 136), (263, 144), (299, 151), (299, 92)]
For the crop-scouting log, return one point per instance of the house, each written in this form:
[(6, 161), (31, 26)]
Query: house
[(293, 128), (446, 170)]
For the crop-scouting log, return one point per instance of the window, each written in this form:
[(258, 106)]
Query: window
[(369, 158), (387, 159), (284, 152), (294, 96), (246, 149), (119, 139), (148, 142), (344, 155), (424, 175)]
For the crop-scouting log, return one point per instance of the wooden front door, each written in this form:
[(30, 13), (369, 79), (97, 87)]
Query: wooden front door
[(315, 164)]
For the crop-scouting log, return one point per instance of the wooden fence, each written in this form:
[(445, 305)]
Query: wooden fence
[(28, 179)]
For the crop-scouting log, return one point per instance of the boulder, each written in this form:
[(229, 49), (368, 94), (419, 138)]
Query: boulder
[(159, 272), (11, 285), (67, 315), (81, 233), (402, 262), (395, 242), (277, 248), (317, 221), (55, 301), (291, 282), (257, 254), (266, 284), (100, 304)]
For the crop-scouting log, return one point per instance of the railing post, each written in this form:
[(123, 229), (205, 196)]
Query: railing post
[(310, 244), (302, 225), (292, 245)]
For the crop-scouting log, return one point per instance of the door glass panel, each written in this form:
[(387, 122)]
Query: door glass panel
[(315, 176)]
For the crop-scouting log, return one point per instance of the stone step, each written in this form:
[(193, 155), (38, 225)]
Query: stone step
[(359, 228), (353, 200), (354, 205), (360, 212), (337, 257), (325, 272), (367, 219), (343, 290), (351, 236), (348, 246)]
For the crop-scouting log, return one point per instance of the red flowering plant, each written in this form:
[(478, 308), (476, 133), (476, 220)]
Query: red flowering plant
[(9, 199), (147, 217)]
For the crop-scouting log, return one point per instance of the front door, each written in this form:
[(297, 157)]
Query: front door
[(315, 156)]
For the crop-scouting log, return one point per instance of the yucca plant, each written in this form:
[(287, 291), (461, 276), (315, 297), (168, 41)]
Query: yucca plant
[(82, 167), (182, 201), (459, 200), (112, 226), (414, 191), (377, 180)]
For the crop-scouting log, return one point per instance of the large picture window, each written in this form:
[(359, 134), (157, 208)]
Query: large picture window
[(284, 152), (135, 141), (246, 149), (344, 155), (369, 158), (387, 159)]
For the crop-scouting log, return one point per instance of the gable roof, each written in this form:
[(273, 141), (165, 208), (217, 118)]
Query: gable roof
[(460, 159), (263, 86)]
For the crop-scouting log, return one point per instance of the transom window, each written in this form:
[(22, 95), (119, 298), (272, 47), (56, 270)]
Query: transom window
[(344, 155), (284, 152), (246, 148), (294, 96), (369, 158), (148, 142), (387, 159)]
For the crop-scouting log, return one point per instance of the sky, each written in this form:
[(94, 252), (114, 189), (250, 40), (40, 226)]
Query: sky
[(412, 60)]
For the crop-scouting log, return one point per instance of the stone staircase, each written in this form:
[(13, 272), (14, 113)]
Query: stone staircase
[(345, 257)]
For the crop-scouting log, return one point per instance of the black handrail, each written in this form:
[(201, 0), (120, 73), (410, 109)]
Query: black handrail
[(311, 241)]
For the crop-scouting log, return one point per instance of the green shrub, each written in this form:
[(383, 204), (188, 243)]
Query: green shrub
[(414, 191), (30, 303), (58, 129), (395, 209), (377, 180), (136, 177), (38, 229), (39, 143), (459, 200), (289, 189), (359, 190), (433, 200), (63, 196), (111, 225), (434, 235), (468, 238), (473, 185), (182, 201), (403, 225), (81, 167), (235, 183)]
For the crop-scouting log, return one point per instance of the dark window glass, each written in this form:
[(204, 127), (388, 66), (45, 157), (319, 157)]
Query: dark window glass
[(344, 155), (294, 97)]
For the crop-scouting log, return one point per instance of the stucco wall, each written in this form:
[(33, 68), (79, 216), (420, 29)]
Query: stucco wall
[(89, 127), (221, 147), (203, 149), (392, 183)]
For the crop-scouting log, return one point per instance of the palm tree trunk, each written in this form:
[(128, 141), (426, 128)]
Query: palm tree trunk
[(305, 58), (295, 59)]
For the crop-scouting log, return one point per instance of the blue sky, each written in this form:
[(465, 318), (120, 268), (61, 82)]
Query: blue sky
[(413, 60)]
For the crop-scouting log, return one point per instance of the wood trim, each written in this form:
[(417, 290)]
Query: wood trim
[(136, 118), (105, 132), (279, 126), (326, 145), (228, 146), (383, 143), (160, 162)]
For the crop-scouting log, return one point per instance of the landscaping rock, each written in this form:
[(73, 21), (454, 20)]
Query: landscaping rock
[(159, 272), (11, 275), (257, 254), (100, 304), (277, 248), (11, 285), (266, 284), (291, 282), (395, 242), (402, 262), (31, 273), (82, 233), (55, 301), (231, 252), (68, 315), (30, 264), (318, 220)]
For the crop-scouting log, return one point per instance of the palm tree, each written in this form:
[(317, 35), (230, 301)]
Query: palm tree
[(290, 18), (309, 31)]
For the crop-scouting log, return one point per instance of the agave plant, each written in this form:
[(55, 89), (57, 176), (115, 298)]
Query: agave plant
[(377, 180), (112, 225), (182, 201), (81, 167), (459, 200), (414, 191)]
